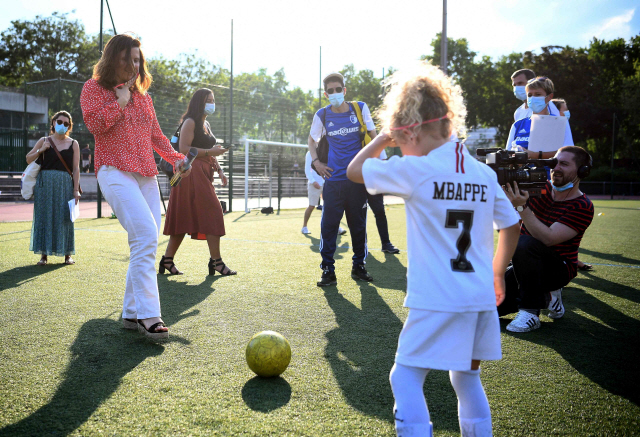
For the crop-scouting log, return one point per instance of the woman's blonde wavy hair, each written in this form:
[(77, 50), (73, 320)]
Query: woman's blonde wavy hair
[(419, 94)]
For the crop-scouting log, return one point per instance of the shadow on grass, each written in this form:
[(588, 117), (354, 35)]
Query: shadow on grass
[(266, 394), (361, 352), (616, 258), (390, 274), (102, 354), (604, 350), (176, 297), (340, 247), (21, 275)]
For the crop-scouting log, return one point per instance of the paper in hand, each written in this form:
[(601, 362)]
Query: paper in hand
[(74, 209), (547, 132)]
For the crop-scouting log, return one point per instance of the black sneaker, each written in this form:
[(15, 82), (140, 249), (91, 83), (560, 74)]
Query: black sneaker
[(328, 278), (359, 272), (319, 207), (390, 248)]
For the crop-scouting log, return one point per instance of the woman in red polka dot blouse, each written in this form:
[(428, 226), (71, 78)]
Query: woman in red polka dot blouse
[(119, 113)]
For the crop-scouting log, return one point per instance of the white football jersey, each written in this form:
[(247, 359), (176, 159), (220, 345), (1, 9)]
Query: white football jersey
[(453, 203)]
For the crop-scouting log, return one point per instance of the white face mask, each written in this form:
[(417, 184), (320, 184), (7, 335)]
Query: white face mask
[(209, 108)]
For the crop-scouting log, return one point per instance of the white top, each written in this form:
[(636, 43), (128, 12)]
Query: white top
[(311, 174), (317, 129), (453, 202), (522, 134)]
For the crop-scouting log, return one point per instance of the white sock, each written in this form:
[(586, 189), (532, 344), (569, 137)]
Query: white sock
[(476, 428), (410, 410), (473, 406), (416, 430)]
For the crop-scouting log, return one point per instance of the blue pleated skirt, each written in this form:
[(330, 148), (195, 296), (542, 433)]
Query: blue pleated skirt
[(52, 229)]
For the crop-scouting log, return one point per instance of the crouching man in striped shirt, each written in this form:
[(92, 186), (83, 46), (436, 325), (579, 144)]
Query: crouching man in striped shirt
[(547, 254)]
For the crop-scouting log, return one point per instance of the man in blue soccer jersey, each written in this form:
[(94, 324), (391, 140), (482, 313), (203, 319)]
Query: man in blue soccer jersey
[(339, 122)]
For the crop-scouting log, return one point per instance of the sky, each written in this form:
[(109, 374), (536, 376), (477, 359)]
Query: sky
[(370, 34)]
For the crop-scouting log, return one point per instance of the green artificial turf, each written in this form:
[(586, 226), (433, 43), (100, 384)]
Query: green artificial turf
[(68, 368)]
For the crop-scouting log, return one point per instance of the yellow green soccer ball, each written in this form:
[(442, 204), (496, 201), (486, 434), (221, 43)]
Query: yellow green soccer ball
[(268, 354)]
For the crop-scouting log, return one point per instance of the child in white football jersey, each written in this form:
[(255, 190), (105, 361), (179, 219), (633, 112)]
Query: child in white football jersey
[(453, 203)]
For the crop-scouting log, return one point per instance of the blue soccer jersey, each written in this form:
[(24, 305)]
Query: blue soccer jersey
[(343, 135)]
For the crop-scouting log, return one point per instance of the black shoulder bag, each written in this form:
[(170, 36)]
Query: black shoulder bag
[(165, 166), (323, 145)]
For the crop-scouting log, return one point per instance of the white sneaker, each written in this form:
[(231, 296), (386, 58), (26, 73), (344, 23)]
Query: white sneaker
[(341, 231), (305, 230), (556, 309), (524, 322)]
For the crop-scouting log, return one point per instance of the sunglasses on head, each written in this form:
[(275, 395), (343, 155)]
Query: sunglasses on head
[(66, 123), (337, 89), (538, 79)]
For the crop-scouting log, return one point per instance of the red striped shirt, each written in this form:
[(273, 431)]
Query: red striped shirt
[(576, 213)]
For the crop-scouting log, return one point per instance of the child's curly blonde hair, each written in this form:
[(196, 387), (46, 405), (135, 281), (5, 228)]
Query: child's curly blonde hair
[(423, 93)]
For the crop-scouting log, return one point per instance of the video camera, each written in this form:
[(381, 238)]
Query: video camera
[(512, 166)]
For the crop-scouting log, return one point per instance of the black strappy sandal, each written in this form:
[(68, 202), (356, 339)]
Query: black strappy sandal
[(171, 267), (152, 332), (226, 271)]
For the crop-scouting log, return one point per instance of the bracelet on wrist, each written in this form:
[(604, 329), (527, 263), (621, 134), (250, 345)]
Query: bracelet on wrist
[(315, 160)]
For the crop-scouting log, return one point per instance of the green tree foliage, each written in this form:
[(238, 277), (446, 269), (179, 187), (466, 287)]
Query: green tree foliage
[(597, 82), (45, 48)]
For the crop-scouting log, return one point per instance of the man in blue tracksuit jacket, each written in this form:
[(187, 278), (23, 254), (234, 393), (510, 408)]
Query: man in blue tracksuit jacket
[(340, 124)]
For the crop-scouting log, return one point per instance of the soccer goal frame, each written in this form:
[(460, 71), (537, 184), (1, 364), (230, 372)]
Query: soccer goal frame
[(247, 142)]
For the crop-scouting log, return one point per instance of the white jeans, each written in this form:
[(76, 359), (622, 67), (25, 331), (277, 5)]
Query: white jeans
[(136, 201)]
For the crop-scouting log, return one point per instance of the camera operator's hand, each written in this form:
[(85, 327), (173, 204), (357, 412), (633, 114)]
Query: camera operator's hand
[(516, 196)]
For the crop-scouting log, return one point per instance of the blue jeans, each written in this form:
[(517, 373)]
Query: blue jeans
[(343, 197)]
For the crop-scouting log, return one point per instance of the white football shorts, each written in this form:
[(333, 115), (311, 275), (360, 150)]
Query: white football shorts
[(314, 194), (448, 341)]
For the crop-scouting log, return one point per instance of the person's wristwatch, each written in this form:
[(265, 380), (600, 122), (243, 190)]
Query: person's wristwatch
[(521, 208)]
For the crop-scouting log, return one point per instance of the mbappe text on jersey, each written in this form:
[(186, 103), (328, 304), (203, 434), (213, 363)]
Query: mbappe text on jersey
[(458, 191)]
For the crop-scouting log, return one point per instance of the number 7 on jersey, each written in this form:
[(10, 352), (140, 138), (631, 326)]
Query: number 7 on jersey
[(454, 217)]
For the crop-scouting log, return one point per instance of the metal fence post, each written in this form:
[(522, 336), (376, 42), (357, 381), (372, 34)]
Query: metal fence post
[(25, 117), (246, 175), (279, 180)]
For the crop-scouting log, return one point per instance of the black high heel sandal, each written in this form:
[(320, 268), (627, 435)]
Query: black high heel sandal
[(226, 271), (171, 267)]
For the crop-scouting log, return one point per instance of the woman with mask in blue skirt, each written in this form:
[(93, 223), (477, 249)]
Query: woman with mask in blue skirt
[(58, 182)]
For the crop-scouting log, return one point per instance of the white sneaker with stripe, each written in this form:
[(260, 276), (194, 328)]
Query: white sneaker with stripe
[(524, 322), (556, 309)]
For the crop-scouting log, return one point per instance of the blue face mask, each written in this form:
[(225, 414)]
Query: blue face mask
[(520, 93), (209, 108), (564, 187), (537, 104), (60, 129), (566, 114), (336, 99)]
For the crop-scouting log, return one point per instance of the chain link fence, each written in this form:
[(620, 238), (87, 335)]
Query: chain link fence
[(255, 115)]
